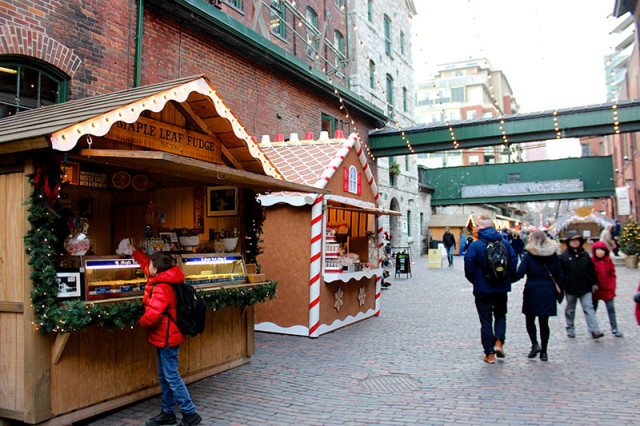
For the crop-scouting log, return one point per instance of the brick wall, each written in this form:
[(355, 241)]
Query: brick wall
[(93, 42)]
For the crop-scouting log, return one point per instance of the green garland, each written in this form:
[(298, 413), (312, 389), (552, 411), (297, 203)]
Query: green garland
[(77, 315)]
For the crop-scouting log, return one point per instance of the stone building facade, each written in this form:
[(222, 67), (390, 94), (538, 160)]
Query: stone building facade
[(381, 71)]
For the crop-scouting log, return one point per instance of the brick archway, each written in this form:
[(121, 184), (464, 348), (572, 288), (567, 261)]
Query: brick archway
[(16, 40)]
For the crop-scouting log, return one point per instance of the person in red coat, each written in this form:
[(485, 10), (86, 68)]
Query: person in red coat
[(606, 290), (162, 332), (636, 299)]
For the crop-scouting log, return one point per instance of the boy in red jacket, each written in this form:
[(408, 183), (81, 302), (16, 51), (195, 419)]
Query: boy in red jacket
[(606, 290), (162, 332)]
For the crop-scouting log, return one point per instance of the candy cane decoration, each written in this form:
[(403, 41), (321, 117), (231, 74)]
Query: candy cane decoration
[(379, 277), (316, 266)]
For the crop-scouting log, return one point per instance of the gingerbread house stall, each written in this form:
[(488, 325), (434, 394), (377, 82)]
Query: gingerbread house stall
[(323, 250), (143, 163)]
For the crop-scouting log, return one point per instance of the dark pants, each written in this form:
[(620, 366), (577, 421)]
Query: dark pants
[(544, 331), (492, 312)]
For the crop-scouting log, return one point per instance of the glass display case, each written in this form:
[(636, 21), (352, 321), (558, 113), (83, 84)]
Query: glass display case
[(213, 268), (108, 277)]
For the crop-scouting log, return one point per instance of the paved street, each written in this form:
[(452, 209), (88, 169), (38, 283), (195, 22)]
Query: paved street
[(421, 362)]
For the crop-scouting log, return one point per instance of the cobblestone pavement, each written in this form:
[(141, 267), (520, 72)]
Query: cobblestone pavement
[(420, 362)]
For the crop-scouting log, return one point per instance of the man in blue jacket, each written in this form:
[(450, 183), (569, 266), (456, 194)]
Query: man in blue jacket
[(490, 298)]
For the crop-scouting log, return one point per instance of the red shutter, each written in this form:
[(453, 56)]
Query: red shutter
[(359, 183), (345, 179)]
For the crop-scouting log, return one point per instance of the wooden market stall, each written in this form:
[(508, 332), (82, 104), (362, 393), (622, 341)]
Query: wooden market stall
[(460, 225), (149, 163), (584, 220), (328, 270)]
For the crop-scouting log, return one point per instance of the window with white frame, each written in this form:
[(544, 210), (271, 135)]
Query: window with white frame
[(353, 180)]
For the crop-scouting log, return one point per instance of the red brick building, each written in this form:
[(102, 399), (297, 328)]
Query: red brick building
[(275, 79)]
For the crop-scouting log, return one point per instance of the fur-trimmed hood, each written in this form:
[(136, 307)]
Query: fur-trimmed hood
[(548, 248)]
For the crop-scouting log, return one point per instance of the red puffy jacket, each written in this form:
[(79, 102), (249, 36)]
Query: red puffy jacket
[(160, 304), (638, 309), (606, 272)]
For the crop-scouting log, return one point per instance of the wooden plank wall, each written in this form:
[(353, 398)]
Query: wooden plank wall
[(100, 364), (12, 269)]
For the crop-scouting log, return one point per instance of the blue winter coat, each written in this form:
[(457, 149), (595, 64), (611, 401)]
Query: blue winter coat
[(474, 258), (539, 295)]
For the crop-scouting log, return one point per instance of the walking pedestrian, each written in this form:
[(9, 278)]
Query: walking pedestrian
[(518, 244), (490, 298), (606, 272), (468, 243), (606, 237), (615, 233), (580, 281), (450, 244), (159, 316), (541, 265)]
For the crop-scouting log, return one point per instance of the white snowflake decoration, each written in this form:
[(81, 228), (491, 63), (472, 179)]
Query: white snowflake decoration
[(362, 296), (338, 295)]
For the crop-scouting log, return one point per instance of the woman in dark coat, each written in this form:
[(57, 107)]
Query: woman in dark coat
[(539, 296)]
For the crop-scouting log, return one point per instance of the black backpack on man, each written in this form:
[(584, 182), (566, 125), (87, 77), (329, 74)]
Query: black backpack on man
[(495, 265)]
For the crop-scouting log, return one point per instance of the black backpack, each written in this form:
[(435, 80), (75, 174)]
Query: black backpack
[(495, 265), (191, 310)]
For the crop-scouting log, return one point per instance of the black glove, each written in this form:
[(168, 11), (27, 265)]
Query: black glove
[(636, 298)]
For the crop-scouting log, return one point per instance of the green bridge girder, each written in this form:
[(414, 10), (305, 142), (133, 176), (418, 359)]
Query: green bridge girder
[(450, 184), (594, 120)]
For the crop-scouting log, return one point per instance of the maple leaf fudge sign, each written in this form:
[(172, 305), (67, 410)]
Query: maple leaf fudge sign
[(169, 138)]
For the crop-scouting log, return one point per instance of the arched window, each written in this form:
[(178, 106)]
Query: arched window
[(353, 180), (26, 84), (387, 35)]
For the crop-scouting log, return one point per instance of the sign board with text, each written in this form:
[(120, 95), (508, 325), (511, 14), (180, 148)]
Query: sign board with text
[(523, 188), (165, 137)]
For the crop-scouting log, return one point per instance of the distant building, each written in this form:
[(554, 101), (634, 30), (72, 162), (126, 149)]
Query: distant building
[(466, 90)]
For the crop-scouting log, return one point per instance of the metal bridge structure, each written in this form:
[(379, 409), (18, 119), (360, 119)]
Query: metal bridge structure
[(588, 177), (572, 178), (578, 122)]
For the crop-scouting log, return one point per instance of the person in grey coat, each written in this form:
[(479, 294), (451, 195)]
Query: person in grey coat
[(580, 282), (541, 265)]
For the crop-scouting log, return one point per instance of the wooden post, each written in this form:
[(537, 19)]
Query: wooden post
[(37, 385)]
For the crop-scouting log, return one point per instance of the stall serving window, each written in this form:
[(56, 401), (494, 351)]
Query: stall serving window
[(351, 244)]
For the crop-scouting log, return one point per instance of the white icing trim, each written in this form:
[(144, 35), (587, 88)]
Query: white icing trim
[(269, 327), (324, 328), (294, 200), (347, 276), (348, 200), (67, 138)]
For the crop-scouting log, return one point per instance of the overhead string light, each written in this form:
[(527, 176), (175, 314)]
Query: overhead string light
[(454, 140), (616, 122), (380, 87), (556, 126)]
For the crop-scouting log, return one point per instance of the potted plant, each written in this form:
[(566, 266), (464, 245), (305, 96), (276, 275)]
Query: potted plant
[(630, 242), (394, 168)]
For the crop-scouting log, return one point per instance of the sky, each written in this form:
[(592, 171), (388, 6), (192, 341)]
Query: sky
[(551, 51)]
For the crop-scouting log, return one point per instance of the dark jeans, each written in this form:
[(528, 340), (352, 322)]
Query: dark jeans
[(492, 306)]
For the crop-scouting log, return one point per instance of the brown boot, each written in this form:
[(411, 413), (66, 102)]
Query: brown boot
[(499, 349), (489, 359)]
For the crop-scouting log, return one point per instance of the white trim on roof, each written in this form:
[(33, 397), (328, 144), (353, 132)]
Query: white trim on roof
[(293, 200), (67, 138)]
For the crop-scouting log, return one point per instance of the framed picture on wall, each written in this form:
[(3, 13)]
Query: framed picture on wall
[(222, 201), (68, 284)]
